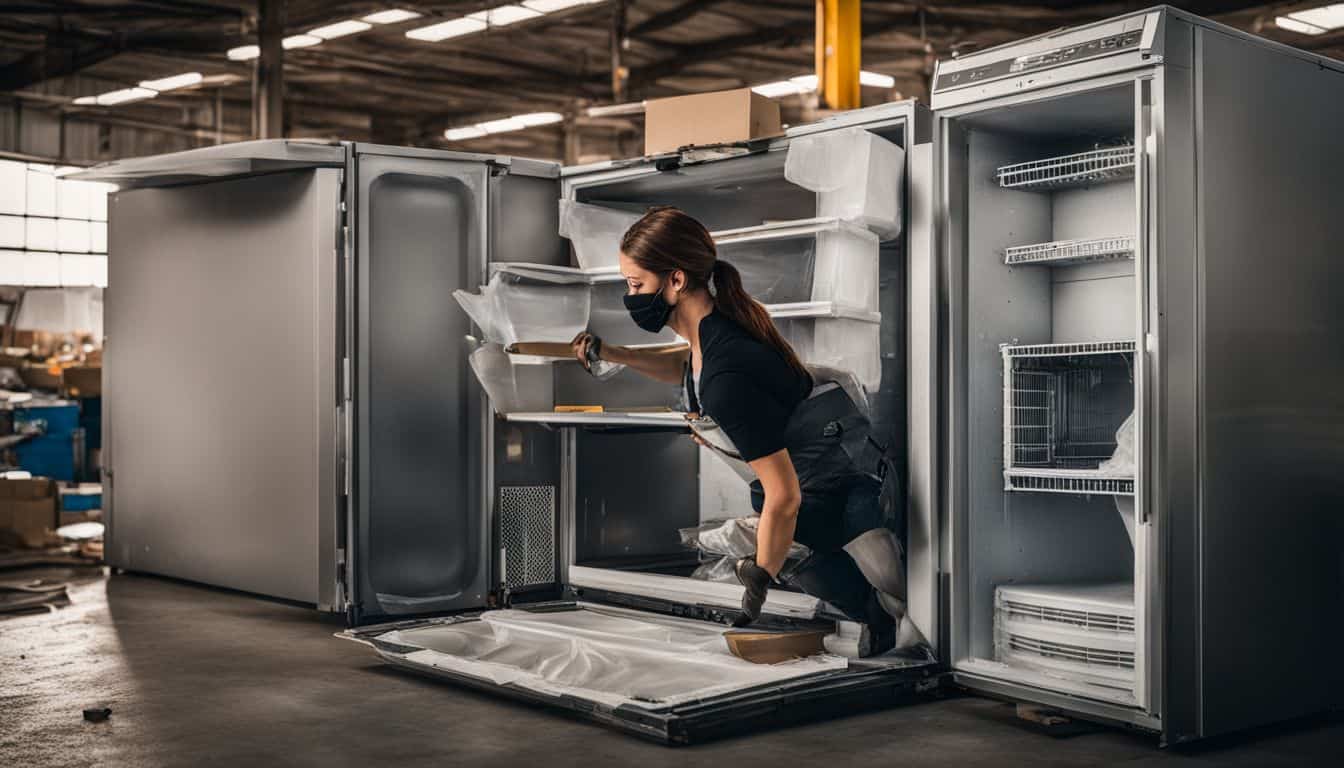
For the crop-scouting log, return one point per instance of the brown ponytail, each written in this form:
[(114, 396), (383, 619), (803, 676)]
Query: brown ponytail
[(668, 239)]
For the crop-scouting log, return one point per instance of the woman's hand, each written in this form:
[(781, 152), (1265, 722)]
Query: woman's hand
[(584, 344), (692, 416)]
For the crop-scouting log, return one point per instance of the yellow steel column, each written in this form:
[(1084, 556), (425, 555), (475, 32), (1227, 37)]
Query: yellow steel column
[(838, 53)]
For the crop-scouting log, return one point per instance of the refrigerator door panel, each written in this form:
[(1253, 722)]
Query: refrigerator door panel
[(225, 160), (419, 534), (668, 680), (219, 469), (1255, 554)]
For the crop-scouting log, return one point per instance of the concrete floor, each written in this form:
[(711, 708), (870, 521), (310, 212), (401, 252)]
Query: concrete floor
[(197, 676)]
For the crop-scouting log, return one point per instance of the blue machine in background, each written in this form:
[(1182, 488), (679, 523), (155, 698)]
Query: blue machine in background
[(57, 452)]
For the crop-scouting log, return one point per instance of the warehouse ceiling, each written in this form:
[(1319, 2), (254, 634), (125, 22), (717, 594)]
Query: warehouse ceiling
[(382, 85)]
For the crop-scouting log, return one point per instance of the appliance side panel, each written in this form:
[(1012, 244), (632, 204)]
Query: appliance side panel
[(215, 382), (1172, 485), (922, 400), (1271, 383)]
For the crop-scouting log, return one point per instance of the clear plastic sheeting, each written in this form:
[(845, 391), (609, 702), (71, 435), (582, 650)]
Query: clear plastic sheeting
[(595, 232), (607, 656), (857, 175), (511, 309), (735, 537), (513, 388), (810, 260)]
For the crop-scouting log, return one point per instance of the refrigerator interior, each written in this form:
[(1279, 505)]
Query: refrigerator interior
[(1047, 547), (621, 494)]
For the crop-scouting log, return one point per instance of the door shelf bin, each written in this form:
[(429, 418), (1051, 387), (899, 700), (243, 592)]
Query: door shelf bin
[(1076, 170), (1062, 253), (808, 260), (834, 336), (1082, 633), (856, 174), (1062, 407)]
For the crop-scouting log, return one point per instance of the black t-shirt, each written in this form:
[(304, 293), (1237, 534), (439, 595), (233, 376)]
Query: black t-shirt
[(747, 387)]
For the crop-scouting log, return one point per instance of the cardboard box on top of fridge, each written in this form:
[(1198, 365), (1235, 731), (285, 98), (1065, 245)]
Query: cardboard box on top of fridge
[(28, 510), (703, 119)]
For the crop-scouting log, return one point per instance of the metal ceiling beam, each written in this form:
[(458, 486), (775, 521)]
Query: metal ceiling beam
[(53, 61), (671, 17)]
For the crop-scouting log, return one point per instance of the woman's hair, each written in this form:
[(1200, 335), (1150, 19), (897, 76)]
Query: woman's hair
[(667, 239)]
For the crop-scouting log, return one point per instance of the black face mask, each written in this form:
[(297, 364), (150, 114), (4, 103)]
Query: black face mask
[(649, 310)]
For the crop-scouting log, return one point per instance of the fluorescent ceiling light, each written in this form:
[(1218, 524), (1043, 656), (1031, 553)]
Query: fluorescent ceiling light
[(609, 110), (125, 95), (446, 29), (394, 16), (469, 132), (244, 52), (172, 83), (340, 29), (551, 6), (778, 89), (502, 125), (85, 100), (299, 41), (1325, 17), (539, 118), (505, 15), (876, 80), (1293, 25)]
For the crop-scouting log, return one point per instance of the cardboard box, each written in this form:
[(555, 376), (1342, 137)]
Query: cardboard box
[(722, 117), (82, 381), (28, 511)]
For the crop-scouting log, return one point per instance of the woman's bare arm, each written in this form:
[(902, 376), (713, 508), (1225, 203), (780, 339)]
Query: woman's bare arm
[(660, 363), (779, 514)]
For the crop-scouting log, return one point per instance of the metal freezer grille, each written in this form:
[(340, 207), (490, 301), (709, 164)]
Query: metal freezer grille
[(1088, 620), (1066, 252), (1075, 653), (1067, 481), (527, 535), (1069, 350), (1098, 165)]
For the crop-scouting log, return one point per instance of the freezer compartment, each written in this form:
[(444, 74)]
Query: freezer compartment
[(1046, 351), (1064, 406), (810, 260), (655, 676), (1081, 634)]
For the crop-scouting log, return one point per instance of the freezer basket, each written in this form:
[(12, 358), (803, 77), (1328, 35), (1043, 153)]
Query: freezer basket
[(1081, 169), (527, 535), (1062, 253), (1082, 633), (1063, 404)]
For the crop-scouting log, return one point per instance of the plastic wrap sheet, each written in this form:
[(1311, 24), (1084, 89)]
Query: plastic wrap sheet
[(511, 309), (595, 232), (604, 655), (856, 174), (735, 537), (1122, 463), (513, 388)]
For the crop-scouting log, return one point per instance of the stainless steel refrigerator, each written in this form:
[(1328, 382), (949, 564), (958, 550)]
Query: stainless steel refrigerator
[(1140, 239)]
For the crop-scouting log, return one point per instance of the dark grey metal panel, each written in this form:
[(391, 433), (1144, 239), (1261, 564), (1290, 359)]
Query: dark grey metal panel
[(633, 491), (1173, 465), (220, 378), (420, 534), (1271, 381)]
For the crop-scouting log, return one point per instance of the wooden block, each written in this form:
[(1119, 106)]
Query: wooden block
[(774, 647)]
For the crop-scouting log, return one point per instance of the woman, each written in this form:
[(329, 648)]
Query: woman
[(803, 439)]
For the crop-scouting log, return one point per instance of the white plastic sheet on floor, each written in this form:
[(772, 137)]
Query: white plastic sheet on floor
[(606, 655)]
